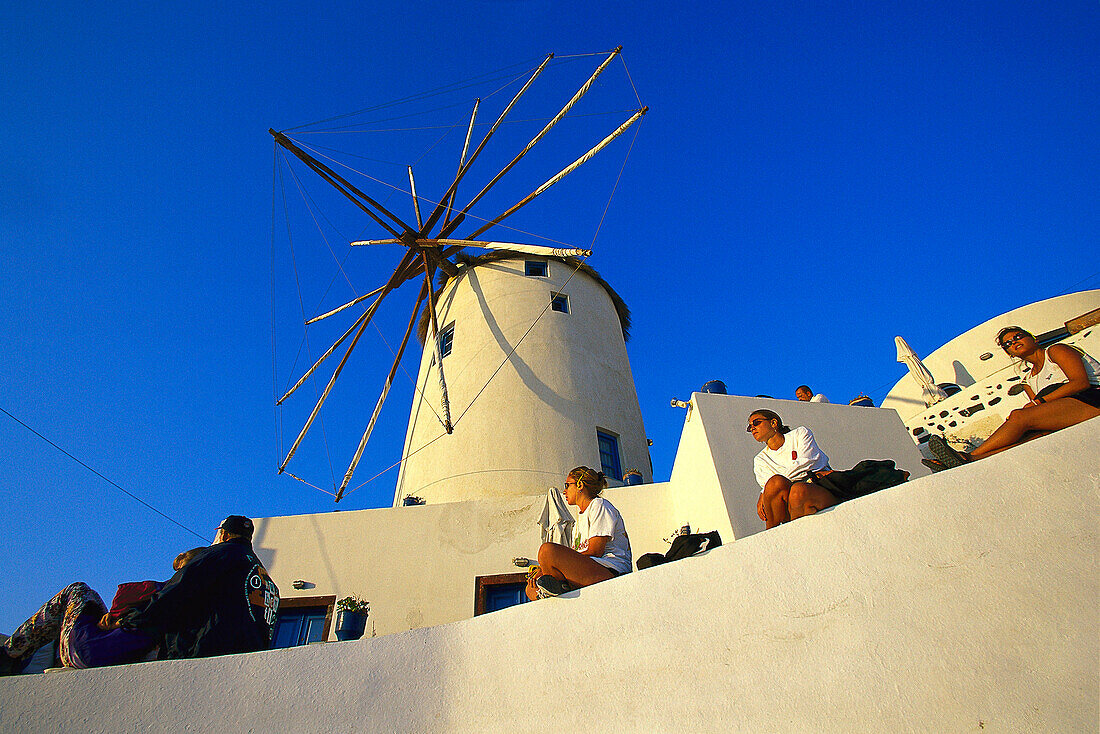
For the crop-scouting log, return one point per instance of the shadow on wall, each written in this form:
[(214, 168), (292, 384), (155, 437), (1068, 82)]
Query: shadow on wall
[(552, 399), (267, 555)]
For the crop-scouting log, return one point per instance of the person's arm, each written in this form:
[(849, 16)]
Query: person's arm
[(597, 545), (762, 470), (1077, 379), (806, 450), (179, 593)]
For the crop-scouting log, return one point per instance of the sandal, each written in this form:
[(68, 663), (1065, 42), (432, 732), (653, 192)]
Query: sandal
[(934, 465), (949, 457)]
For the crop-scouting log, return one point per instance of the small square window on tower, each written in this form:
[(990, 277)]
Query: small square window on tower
[(609, 454), (446, 339), (535, 269), (559, 302)]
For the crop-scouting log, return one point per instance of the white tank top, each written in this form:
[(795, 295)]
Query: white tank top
[(1051, 374)]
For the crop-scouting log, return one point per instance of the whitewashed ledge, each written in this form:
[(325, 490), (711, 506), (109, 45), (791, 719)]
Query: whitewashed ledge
[(962, 601)]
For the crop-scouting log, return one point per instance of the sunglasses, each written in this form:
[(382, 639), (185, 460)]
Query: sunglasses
[(754, 423), (1005, 344)]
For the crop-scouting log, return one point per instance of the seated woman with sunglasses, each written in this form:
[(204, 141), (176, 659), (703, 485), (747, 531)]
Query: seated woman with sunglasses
[(601, 548), (783, 467), (1064, 386)]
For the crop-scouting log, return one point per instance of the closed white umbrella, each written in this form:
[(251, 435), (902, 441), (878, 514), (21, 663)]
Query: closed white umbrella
[(556, 520), (932, 393)]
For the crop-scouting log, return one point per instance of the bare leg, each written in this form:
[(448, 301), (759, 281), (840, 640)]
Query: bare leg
[(569, 565), (1052, 416), (806, 499), (776, 510)]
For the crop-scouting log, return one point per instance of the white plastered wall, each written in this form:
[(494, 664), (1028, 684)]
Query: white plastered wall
[(962, 601), (418, 565), (713, 475)]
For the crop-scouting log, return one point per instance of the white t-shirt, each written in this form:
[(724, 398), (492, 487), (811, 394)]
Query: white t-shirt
[(601, 518), (819, 398), (795, 459), (1051, 374)]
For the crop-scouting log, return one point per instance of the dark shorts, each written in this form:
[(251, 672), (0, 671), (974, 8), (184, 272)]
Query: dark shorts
[(1089, 396)]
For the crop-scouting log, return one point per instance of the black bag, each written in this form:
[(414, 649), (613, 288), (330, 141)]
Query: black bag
[(683, 546), (862, 479)]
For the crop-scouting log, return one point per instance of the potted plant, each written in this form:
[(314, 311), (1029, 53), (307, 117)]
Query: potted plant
[(351, 618)]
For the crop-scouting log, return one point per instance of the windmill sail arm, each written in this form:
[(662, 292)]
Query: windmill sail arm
[(510, 246), (363, 243), (365, 319), (461, 162), (436, 347), (561, 174), (342, 185), (477, 151), (542, 133), (416, 201), (349, 304), (381, 398)]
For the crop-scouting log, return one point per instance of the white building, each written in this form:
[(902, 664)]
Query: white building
[(966, 600)]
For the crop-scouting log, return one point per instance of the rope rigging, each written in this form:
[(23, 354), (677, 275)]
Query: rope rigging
[(425, 252)]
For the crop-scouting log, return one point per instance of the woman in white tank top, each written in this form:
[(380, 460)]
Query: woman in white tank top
[(1064, 386)]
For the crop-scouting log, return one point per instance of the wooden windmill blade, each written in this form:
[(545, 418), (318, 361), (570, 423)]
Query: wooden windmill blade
[(481, 146), (343, 361), (561, 174), (424, 252), (539, 136), (338, 182), (444, 399), (385, 392), (461, 162)]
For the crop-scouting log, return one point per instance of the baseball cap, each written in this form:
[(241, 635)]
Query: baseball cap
[(237, 525)]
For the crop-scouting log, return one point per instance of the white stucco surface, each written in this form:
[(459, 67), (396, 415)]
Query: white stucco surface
[(419, 565), (521, 416), (715, 455), (961, 601), (959, 360)]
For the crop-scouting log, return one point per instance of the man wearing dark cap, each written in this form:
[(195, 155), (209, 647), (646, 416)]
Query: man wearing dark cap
[(222, 602)]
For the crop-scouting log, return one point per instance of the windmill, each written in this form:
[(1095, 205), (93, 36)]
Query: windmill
[(431, 245)]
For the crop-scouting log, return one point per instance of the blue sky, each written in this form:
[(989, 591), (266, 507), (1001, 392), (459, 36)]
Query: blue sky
[(812, 180)]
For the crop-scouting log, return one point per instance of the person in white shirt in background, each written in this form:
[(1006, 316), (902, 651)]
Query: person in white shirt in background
[(601, 547), (783, 469), (806, 395)]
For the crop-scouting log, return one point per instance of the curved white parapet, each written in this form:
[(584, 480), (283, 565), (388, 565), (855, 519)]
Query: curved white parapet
[(962, 601)]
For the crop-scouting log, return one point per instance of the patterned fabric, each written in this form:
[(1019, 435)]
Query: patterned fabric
[(54, 622)]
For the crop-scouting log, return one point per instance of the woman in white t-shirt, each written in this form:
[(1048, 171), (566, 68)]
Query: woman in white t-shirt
[(1064, 386), (601, 548), (783, 470)]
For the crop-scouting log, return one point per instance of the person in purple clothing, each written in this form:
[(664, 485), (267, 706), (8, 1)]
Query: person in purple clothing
[(87, 632)]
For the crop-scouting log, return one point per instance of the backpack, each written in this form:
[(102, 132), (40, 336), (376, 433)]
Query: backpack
[(683, 546), (862, 479)]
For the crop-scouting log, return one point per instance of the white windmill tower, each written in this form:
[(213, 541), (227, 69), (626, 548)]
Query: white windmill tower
[(524, 373), (536, 366)]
